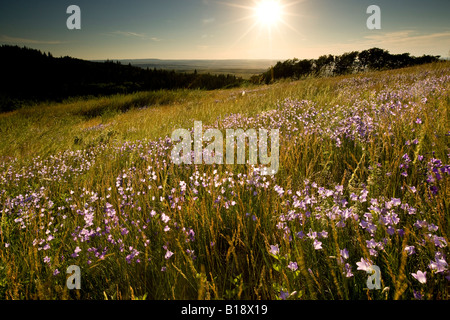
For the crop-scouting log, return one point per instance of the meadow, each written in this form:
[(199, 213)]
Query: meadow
[(363, 180)]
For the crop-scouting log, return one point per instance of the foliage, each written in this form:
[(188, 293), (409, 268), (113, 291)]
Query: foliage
[(347, 63)]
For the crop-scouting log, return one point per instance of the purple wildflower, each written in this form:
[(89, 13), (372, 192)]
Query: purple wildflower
[(317, 245), (274, 250), (410, 250), (75, 253), (293, 266), (364, 265), (420, 276), (168, 254), (439, 264)]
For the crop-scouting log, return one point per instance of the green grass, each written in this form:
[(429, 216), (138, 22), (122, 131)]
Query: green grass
[(72, 159)]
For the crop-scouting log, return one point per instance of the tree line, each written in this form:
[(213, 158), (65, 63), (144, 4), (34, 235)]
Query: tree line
[(347, 63), (29, 75)]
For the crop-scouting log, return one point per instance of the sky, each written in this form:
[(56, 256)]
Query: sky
[(225, 29)]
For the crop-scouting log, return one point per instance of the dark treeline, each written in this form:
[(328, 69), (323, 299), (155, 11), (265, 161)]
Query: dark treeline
[(350, 62), (29, 75)]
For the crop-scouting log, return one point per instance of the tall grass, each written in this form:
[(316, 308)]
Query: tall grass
[(91, 183)]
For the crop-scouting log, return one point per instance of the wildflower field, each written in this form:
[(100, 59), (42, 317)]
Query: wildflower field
[(363, 181)]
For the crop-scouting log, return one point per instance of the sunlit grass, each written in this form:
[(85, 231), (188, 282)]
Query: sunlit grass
[(103, 158)]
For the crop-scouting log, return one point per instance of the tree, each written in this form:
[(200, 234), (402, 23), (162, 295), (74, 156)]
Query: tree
[(345, 63), (302, 68), (323, 63)]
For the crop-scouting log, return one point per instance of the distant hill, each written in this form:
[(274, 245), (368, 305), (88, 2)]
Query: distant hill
[(244, 67), (31, 75)]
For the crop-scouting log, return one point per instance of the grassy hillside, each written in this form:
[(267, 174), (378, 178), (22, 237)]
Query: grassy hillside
[(363, 180)]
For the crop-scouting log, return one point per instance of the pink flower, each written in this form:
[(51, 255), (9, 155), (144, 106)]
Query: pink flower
[(317, 244), (168, 254), (274, 250), (293, 266), (420, 276), (165, 218), (364, 265)]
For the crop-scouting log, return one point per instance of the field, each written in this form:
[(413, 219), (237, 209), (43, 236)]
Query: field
[(363, 182)]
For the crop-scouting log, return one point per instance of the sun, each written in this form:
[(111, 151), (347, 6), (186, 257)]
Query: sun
[(268, 12)]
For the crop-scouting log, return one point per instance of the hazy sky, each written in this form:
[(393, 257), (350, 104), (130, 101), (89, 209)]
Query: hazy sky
[(226, 29)]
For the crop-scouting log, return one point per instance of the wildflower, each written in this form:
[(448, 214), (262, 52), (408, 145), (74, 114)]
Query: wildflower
[(312, 234), (420, 276), (300, 234), (439, 265), (56, 272), (47, 259), (165, 218), (344, 254), (75, 254), (364, 265), (363, 196), (390, 230), (410, 250), (371, 244), (323, 234), (279, 190), (417, 295), (274, 250), (284, 295), (348, 270), (168, 254), (396, 202), (317, 244), (293, 266), (439, 242)]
